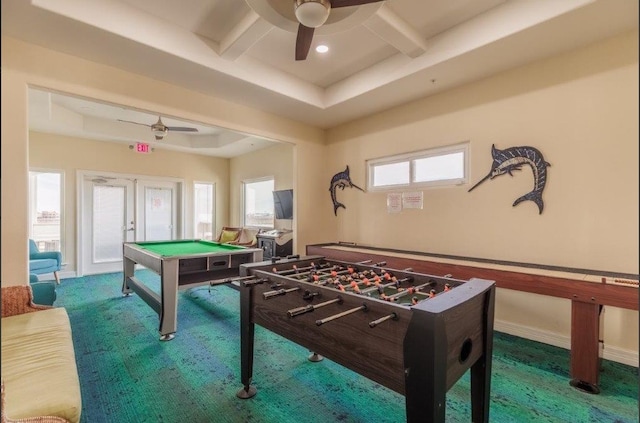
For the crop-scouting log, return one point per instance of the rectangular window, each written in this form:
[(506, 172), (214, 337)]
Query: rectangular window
[(45, 210), (257, 203), (203, 210), (442, 166)]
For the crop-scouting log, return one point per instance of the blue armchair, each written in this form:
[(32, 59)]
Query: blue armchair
[(44, 293), (44, 262)]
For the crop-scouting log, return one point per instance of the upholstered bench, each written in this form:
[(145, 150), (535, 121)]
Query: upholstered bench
[(39, 375)]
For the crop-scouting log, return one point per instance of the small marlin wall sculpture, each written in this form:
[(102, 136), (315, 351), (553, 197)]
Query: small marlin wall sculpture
[(510, 159), (340, 180)]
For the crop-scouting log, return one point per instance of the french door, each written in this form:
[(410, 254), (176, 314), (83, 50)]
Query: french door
[(117, 209)]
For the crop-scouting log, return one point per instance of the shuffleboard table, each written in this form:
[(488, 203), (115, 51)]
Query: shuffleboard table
[(181, 264)]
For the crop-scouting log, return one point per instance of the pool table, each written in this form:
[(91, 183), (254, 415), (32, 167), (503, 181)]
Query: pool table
[(180, 264)]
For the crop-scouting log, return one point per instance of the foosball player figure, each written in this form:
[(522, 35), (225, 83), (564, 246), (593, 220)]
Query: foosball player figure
[(414, 300), (432, 293), (447, 287)]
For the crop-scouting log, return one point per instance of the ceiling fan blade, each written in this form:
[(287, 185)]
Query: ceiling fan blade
[(181, 128), (137, 123), (346, 3), (303, 41)]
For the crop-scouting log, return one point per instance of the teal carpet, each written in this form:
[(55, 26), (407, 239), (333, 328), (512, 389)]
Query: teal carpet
[(128, 375)]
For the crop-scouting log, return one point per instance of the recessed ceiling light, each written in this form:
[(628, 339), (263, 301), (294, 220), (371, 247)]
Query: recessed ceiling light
[(322, 48)]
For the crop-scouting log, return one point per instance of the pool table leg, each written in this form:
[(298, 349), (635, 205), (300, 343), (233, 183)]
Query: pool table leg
[(129, 269), (169, 299)]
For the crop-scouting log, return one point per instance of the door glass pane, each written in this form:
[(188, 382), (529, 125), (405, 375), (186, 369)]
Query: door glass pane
[(258, 204), (46, 192), (203, 206), (108, 222), (157, 216)]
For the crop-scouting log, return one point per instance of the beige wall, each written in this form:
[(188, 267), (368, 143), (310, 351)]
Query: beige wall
[(276, 161), (581, 111), (25, 65), (70, 155)]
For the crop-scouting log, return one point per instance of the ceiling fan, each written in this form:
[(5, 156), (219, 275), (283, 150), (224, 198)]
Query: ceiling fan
[(313, 13), (159, 129)]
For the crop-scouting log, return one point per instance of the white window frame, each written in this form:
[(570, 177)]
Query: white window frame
[(243, 213), (411, 158)]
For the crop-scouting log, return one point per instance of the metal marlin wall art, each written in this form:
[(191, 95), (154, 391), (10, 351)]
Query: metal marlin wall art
[(513, 158), (340, 180)]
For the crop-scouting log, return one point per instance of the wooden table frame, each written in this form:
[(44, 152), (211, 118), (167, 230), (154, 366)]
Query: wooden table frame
[(587, 298)]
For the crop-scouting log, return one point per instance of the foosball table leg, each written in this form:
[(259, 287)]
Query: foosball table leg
[(481, 369), (315, 357), (247, 332)]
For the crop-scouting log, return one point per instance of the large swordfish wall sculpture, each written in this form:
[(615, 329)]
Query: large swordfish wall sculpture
[(510, 159), (340, 180)]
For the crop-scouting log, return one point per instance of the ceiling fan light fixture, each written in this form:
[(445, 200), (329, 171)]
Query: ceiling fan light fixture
[(312, 13), (159, 132)]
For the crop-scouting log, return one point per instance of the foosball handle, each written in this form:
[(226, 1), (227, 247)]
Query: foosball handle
[(254, 282), (295, 256), (275, 259)]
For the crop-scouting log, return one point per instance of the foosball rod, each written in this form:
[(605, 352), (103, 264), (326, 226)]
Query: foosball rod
[(320, 271), (254, 281), (392, 316), (411, 290), (321, 322), (397, 283), (271, 294), (323, 275), (244, 279), (297, 270), (306, 309), (379, 264)]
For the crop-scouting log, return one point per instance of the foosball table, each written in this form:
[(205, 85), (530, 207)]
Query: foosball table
[(413, 333)]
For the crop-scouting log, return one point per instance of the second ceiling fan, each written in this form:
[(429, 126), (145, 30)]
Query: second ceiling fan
[(159, 129), (313, 13)]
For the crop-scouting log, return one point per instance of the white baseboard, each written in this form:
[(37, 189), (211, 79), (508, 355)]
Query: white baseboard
[(619, 355), (63, 274)]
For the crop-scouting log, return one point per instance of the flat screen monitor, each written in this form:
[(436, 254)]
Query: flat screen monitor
[(283, 204)]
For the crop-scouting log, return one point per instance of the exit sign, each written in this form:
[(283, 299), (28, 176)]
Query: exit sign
[(142, 147)]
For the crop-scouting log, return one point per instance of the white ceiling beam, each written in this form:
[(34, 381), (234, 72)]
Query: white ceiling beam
[(498, 23), (394, 30), (245, 34)]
